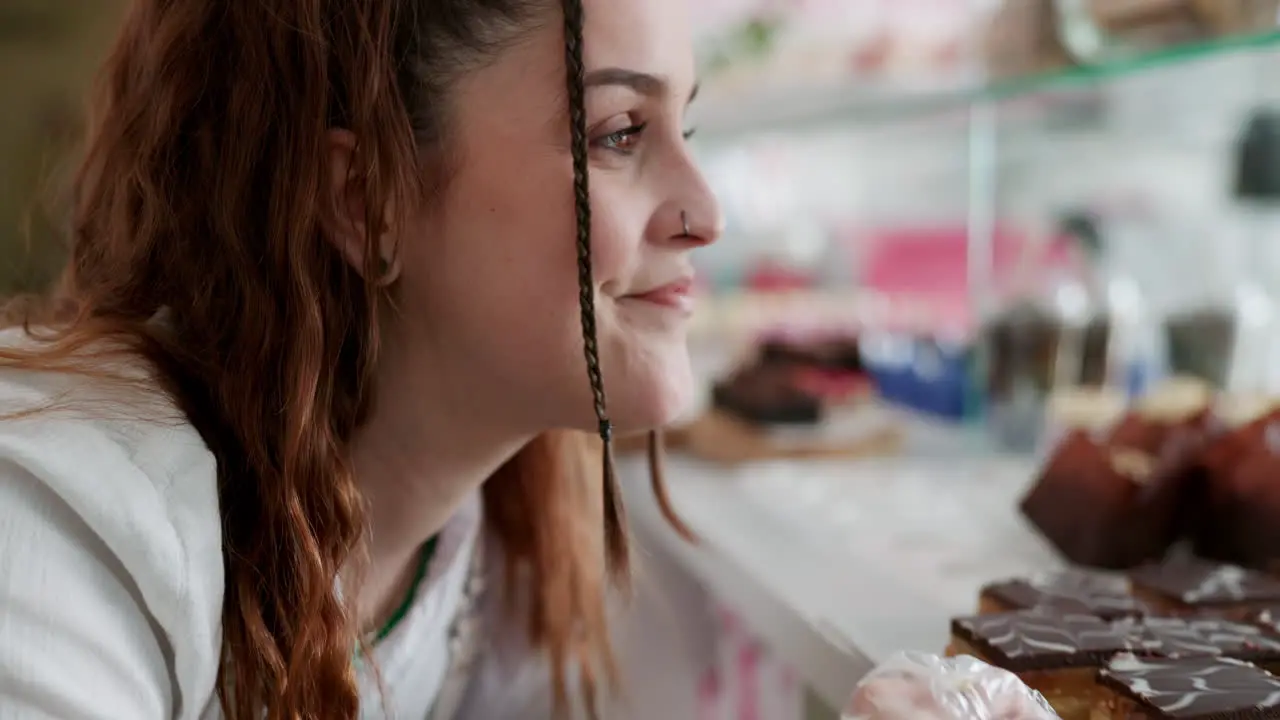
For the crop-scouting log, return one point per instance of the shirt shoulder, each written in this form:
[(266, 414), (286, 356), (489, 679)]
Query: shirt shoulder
[(110, 543)]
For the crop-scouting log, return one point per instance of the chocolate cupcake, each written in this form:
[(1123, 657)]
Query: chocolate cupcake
[(1239, 519)]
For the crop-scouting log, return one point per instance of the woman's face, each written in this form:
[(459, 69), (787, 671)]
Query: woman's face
[(488, 287)]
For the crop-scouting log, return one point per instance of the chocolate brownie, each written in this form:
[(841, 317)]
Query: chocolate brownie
[(1068, 591), (1199, 586), (1267, 618), (1203, 688), (1031, 640), (1201, 636)]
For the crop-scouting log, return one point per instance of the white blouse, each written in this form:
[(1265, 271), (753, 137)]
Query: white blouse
[(111, 574)]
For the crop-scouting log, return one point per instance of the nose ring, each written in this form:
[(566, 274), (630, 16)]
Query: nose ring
[(684, 223)]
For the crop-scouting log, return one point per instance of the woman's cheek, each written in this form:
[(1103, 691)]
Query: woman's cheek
[(614, 243)]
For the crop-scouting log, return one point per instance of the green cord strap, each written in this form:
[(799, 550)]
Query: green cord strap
[(424, 561)]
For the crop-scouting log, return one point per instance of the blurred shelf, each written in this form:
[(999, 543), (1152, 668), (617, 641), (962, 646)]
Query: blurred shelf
[(727, 114)]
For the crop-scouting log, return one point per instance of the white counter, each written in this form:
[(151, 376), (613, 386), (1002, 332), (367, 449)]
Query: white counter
[(838, 564)]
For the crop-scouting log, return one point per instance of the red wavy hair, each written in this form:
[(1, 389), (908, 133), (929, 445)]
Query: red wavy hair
[(201, 197)]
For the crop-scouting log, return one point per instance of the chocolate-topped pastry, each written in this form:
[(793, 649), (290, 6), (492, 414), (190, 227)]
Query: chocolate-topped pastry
[(1267, 618), (1058, 655), (766, 395), (1083, 592), (1201, 636), (1031, 640), (1112, 495), (1196, 586), (1202, 688)]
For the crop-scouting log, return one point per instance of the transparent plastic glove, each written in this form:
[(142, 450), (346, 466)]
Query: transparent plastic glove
[(917, 686)]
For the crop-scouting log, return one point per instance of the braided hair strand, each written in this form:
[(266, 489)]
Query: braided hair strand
[(615, 522)]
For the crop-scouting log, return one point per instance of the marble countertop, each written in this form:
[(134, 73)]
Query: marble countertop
[(837, 565)]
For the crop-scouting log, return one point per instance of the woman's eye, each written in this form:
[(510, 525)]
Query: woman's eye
[(624, 140)]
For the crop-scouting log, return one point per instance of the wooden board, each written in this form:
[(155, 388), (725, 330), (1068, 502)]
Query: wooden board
[(722, 438), (673, 439)]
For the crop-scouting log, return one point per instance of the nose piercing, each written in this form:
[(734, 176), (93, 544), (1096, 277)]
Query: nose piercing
[(684, 223)]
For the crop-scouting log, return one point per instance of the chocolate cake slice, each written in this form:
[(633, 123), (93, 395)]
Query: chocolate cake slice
[(1170, 422), (1194, 586), (1243, 522), (1115, 496), (1203, 688), (1071, 591), (1104, 506)]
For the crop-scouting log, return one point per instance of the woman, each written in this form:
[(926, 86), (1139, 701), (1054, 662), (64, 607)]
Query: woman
[(324, 290)]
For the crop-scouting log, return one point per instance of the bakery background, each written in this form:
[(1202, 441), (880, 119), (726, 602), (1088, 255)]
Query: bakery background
[(998, 297)]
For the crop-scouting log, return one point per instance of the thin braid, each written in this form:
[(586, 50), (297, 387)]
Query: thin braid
[(614, 516)]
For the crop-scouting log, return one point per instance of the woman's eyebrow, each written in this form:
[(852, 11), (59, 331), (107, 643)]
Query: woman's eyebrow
[(644, 83)]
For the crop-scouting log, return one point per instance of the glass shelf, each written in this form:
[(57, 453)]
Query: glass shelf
[(784, 109), (1091, 75)]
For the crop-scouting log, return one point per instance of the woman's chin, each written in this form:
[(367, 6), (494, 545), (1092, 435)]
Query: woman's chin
[(652, 403)]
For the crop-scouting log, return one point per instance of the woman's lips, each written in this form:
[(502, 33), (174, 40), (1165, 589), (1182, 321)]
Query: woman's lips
[(676, 295)]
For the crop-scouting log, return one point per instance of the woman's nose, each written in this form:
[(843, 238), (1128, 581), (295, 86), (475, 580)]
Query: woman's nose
[(697, 224)]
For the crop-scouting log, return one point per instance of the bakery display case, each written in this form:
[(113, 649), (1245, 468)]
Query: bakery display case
[(1047, 228), (1039, 213)]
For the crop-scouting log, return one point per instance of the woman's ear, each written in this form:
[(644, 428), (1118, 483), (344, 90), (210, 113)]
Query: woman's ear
[(346, 221)]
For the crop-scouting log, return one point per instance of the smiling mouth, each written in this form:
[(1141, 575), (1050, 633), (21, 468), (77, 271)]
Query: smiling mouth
[(676, 296)]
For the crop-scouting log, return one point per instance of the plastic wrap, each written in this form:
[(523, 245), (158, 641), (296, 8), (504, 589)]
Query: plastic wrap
[(917, 686)]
